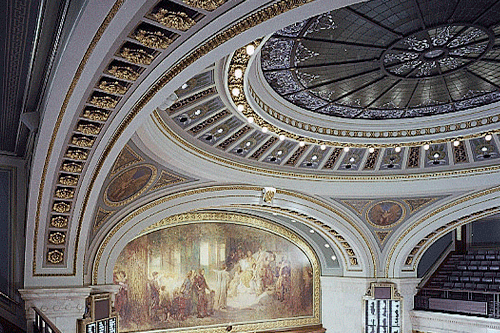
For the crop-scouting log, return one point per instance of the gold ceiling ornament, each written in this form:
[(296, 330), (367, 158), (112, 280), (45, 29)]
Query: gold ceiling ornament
[(205, 4), (112, 87), (55, 256), (65, 193), (57, 238), (68, 180), (96, 114), (70, 166), (88, 128), (155, 39), (124, 72), (174, 20), (268, 194), (106, 102), (137, 56), (77, 154), (82, 141), (61, 207), (58, 221)]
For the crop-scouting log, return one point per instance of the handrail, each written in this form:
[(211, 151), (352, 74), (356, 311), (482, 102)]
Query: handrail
[(42, 324), (431, 270)]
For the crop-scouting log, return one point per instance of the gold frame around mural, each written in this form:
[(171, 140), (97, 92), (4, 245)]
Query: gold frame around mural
[(245, 220), (371, 205)]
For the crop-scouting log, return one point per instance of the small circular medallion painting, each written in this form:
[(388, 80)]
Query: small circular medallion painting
[(385, 214), (129, 184)]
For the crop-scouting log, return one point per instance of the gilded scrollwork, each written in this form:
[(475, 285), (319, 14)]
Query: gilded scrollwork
[(88, 128), (137, 56), (106, 102), (113, 87), (55, 256), (82, 141), (70, 166), (96, 114), (77, 154), (124, 72), (58, 221), (174, 20), (65, 193), (57, 238), (155, 39), (61, 207), (205, 4), (68, 180)]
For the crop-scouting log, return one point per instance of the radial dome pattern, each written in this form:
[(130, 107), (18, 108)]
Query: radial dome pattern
[(385, 60)]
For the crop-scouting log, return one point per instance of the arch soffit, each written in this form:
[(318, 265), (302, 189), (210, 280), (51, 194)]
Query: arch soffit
[(103, 253), (406, 250)]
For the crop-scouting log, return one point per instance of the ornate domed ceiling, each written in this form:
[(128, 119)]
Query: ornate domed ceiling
[(384, 60)]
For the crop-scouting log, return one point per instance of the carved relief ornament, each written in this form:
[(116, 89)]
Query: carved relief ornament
[(205, 4), (106, 102), (87, 128), (112, 87), (124, 72), (137, 56), (154, 39), (96, 114), (174, 20)]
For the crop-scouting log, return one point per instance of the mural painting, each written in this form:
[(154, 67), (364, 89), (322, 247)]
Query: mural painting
[(129, 184), (210, 273), (385, 213)]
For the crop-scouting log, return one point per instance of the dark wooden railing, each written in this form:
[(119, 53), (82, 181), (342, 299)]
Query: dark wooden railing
[(42, 324)]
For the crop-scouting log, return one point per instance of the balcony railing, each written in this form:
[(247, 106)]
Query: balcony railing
[(42, 324)]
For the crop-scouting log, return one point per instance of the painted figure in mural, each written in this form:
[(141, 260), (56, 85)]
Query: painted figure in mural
[(121, 298), (222, 286), (165, 303), (154, 293), (284, 283), (185, 297), (200, 286)]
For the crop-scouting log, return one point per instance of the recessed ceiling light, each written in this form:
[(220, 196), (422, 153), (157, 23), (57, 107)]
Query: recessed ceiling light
[(250, 119), (311, 231), (426, 147), (456, 143), (184, 86), (327, 245), (484, 149), (488, 137), (264, 129), (302, 143), (235, 92), (282, 137), (397, 149), (314, 157), (346, 149), (334, 257), (436, 155), (238, 73), (241, 107), (371, 150), (250, 49), (322, 147), (352, 160)]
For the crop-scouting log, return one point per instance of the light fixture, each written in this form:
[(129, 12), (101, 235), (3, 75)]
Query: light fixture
[(264, 129), (220, 130), (248, 143), (184, 86), (238, 73), (241, 107), (456, 143), (314, 157), (371, 150), (322, 147), (485, 149), (302, 143), (352, 160), (436, 155), (334, 257), (397, 149), (282, 137), (327, 245), (235, 92), (250, 49), (280, 152), (488, 137), (346, 149), (250, 119), (311, 231), (197, 112), (426, 146)]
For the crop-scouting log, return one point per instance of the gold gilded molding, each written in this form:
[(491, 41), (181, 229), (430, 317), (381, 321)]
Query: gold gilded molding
[(100, 31), (57, 238), (55, 256), (88, 128), (82, 141), (123, 72), (61, 207), (136, 56), (76, 154), (68, 180), (155, 39), (59, 221), (174, 20), (113, 87), (96, 114), (205, 4), (65, 193), (241, 219), (70, 166), (106, 102)]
